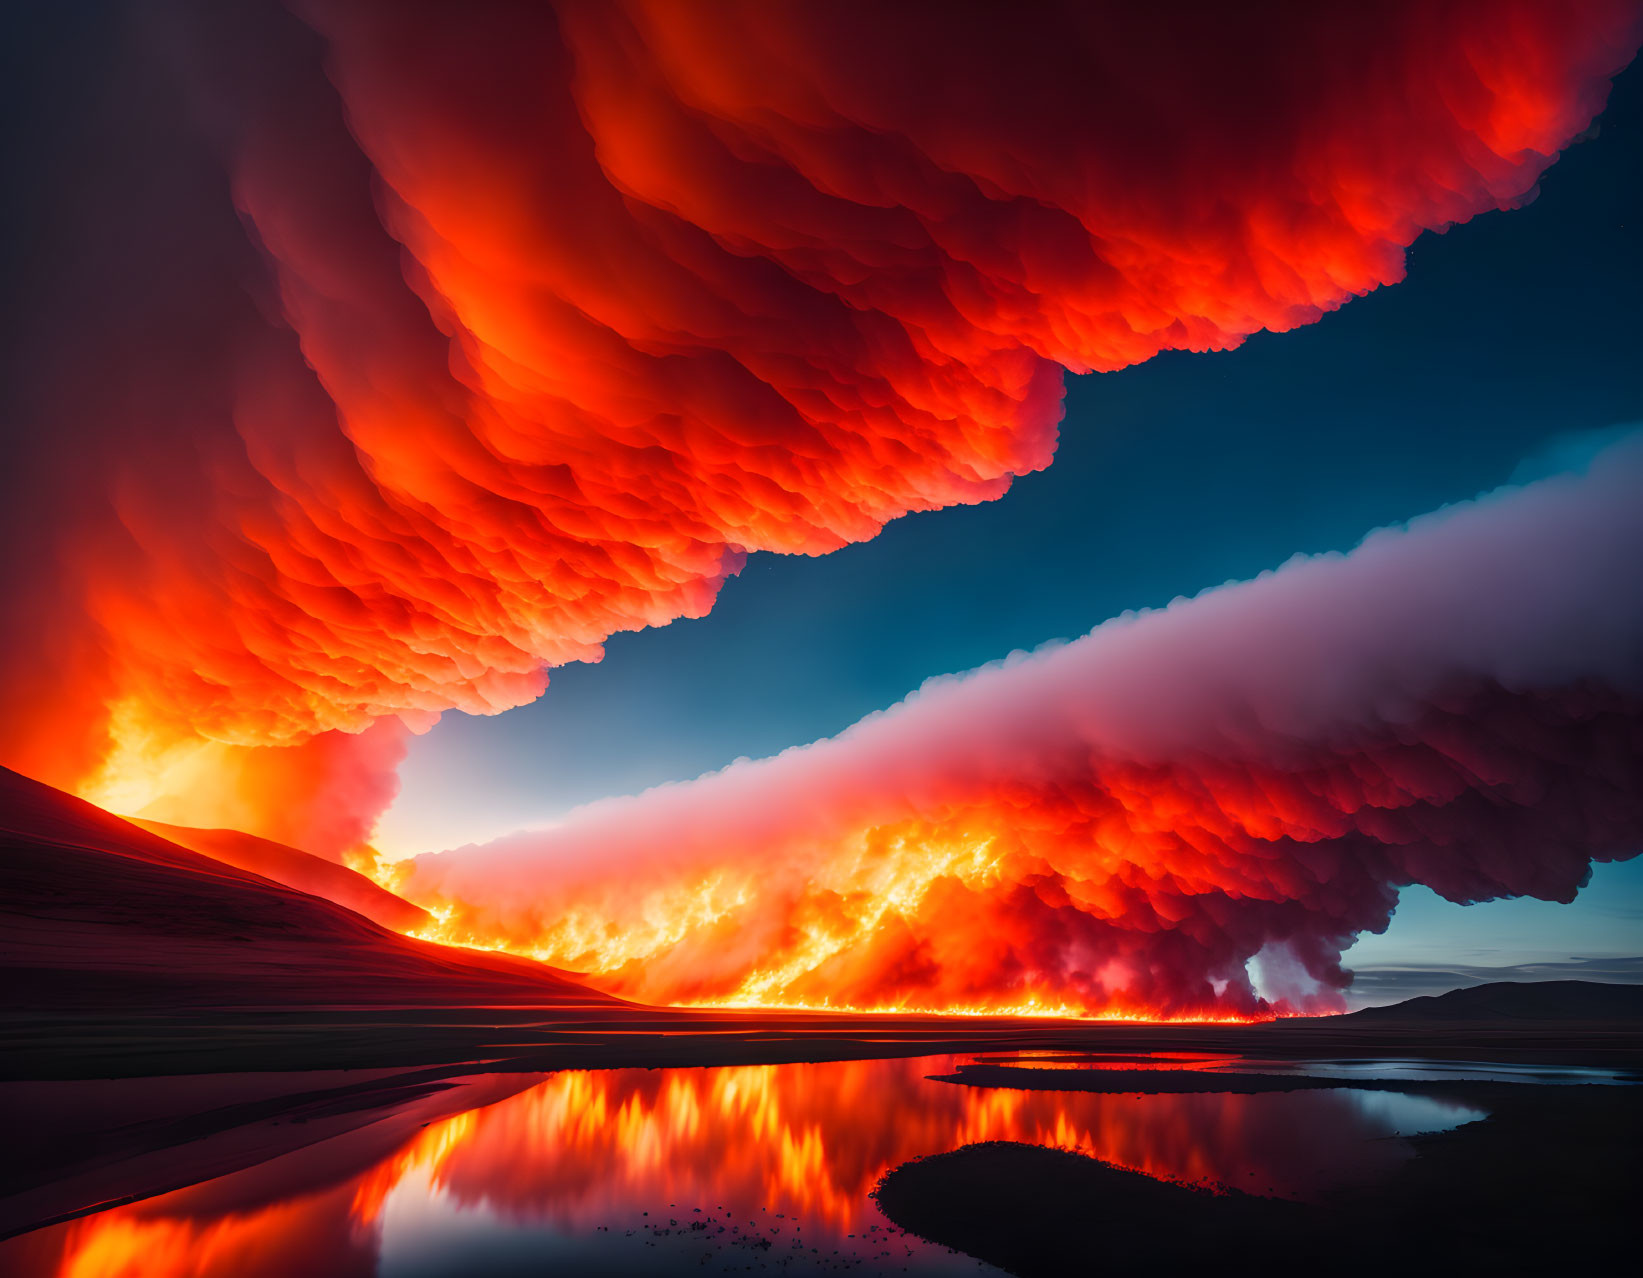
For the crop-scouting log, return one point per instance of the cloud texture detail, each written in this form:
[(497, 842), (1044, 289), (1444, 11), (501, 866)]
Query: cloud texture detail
[(1121, 823), (435, 344)]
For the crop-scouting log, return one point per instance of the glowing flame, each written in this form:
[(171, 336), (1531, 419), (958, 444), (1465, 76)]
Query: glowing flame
[(144, 762), (880, 884)]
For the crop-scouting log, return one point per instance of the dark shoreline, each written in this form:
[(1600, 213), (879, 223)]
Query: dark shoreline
[(1547, 1183), (105, 1044)]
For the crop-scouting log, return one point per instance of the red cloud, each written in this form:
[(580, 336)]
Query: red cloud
[(432, 345)]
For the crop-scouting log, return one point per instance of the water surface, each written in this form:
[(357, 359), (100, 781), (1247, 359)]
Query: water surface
[(714, 1170), (1346, 1068)]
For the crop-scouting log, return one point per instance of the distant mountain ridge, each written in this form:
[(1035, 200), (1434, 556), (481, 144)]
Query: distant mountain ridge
[(98, 913), (1516, 1001), (296, 869)]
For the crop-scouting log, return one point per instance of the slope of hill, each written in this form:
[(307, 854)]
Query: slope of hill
[(1515, 1001), (97, 913), (296, 869)]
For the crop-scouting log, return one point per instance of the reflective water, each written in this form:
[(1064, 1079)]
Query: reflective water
[(754, 1168), (1403, 1071), (1456, 1071)]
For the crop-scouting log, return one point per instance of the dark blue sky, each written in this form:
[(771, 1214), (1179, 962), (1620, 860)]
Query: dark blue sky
[(1176, 475)]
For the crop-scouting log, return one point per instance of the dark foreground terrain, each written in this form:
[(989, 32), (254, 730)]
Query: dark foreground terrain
[(101, 917), (1547, 1184)]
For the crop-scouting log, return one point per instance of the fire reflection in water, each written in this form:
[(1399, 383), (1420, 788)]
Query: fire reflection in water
[(780, 1159)]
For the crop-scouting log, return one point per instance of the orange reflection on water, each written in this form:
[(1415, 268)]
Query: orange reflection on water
[(778, 1153), (308, 1235)]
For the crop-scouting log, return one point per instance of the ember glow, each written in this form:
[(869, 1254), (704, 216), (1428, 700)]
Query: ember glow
[(436, 344), (1120, 826)]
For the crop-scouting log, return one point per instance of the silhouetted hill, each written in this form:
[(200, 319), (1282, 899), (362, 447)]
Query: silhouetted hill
[(1517, 1001), (296, 869), (97, 913)]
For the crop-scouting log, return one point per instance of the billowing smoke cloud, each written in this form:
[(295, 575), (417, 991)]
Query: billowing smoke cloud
[(1123, 822), (384, 354)]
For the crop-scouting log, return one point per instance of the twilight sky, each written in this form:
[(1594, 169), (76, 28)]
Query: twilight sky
[(1186, 471)]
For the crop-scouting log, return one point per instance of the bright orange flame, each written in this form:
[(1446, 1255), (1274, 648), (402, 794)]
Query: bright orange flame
[(1030, 1010), (916, 917)]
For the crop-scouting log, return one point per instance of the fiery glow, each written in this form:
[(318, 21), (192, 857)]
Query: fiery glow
[(513, 327), (780, 1152), (1124, 825), (1032, 1009), (882, 884)]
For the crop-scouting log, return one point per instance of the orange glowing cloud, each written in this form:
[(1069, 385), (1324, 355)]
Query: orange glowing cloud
[(433, 345), (1119, 825)]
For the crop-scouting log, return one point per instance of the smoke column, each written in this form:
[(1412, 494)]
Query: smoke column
[(382, 355), (1119, 824)]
